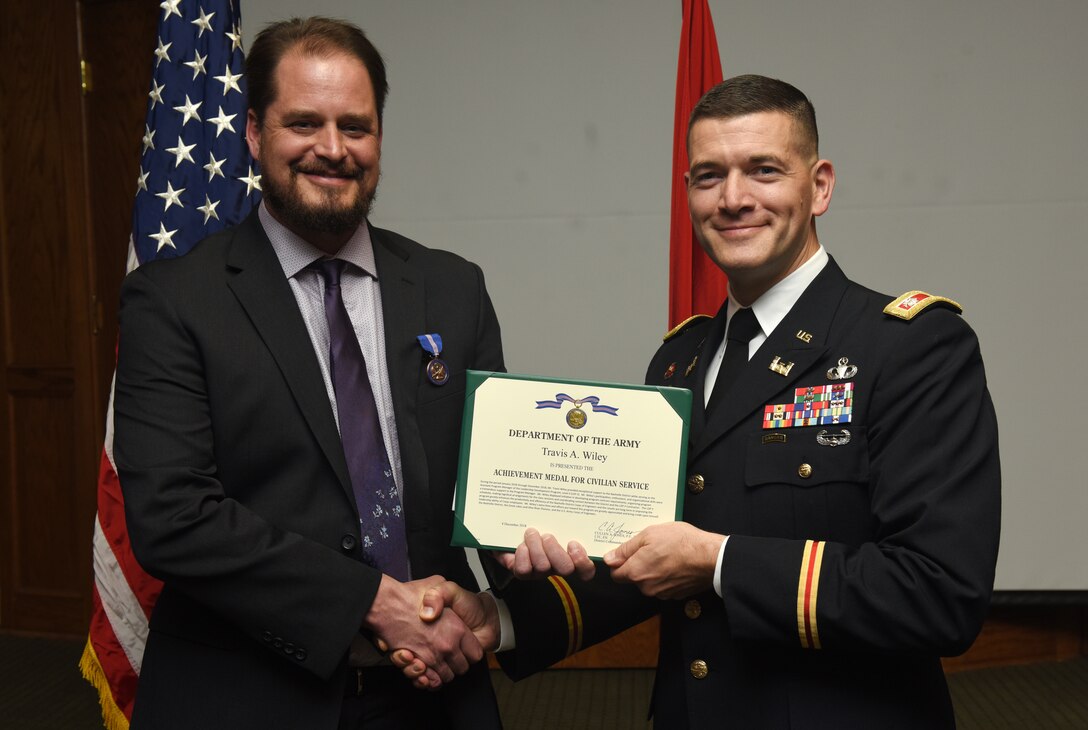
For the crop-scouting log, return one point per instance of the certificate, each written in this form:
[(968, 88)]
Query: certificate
[(586, 461)]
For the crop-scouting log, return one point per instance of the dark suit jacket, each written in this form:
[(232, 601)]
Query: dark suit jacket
[(236, 489), (850, 569)]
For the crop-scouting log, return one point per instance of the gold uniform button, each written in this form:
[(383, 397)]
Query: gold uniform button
[(696, 483), (699, 669), (693, 609), (804, 471)]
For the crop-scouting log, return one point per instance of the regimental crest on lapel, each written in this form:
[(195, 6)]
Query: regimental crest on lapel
[(780, 366)]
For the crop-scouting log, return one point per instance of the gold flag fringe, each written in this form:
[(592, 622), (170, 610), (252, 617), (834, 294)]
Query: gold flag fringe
[(112, 716)]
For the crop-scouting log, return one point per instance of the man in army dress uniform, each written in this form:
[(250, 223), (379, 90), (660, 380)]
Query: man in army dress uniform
[(841, 524)]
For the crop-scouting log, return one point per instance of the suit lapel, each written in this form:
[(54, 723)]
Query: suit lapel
[(812, 313), (263, 292), (403, 293)]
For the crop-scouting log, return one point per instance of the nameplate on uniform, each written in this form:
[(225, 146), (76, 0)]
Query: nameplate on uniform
[(814, 405)]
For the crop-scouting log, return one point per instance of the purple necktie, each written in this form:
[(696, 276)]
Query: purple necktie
[(381, 519)]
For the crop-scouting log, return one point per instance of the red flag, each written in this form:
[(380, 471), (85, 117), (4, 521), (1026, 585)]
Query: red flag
[(696, 284), (184, 193)]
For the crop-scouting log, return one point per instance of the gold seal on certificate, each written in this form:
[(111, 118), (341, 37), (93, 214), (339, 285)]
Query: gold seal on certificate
[(587, 461)]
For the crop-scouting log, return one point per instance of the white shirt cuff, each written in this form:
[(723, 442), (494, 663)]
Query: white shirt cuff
[(718, 569), (506, 623)]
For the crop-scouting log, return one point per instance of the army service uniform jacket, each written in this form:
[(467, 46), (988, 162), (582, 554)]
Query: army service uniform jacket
[(854, 466)]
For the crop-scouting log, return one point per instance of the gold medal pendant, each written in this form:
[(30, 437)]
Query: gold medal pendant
[(576, 417), (437, 372)]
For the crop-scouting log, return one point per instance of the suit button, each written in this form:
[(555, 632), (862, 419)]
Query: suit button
[(347, 543), (696, 483), (266, 637), (693, 609), (699, 669), (288, 648), (300, 654), (277, 642), (804, 471)]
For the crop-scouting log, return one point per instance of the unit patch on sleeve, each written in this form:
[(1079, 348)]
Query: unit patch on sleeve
[(814, 405)]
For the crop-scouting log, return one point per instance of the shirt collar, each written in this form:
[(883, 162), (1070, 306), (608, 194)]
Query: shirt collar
[(295, 253), (776, 302)]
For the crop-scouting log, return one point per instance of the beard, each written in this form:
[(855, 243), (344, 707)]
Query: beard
[(330, 215)]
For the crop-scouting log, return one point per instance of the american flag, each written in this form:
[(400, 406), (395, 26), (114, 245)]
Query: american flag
[(196, 177)]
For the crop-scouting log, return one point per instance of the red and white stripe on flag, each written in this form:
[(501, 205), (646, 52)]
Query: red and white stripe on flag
[(696, 284)]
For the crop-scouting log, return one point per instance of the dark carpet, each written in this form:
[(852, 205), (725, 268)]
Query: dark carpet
[(41, 689)]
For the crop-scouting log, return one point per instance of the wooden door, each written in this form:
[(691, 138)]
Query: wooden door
[(68, 161)]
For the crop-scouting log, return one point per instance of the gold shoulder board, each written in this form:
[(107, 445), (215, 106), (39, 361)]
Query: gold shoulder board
[(683, 326), (914, 303)]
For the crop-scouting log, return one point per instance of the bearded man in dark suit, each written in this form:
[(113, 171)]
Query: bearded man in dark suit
[(288, 405)]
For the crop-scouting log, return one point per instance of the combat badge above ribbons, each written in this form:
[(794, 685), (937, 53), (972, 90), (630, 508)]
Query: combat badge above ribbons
[(813, 405), (843, 371)]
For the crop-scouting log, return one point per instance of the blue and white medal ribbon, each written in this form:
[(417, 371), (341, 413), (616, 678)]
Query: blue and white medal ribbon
[(436, 369)]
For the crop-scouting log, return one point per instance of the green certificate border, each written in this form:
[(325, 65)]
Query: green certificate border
[(679, 399)]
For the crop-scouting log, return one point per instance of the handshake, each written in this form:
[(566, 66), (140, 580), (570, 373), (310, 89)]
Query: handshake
[(432, 645)]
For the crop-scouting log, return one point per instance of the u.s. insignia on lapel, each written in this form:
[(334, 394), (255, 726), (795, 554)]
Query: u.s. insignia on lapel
[(670, 370), (813, 405)]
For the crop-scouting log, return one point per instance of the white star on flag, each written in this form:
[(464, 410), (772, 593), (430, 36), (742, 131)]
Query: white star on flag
[(149, 139), (208, 209), (170, 7), (252, 181), (204, 22), (162, 53), (229, 81), (156, 93), (171, 197), (164, 237), (197, 64), (214, 166), (222, 122), (189, 110), (183, 152), (235, 38)]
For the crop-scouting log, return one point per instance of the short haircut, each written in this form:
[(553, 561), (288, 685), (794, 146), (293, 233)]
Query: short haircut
[(317, 36), (751, 94)]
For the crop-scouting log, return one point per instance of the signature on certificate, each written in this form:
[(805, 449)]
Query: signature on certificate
[(612, 532)]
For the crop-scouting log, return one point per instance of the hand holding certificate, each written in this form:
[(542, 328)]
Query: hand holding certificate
[(592, 462)]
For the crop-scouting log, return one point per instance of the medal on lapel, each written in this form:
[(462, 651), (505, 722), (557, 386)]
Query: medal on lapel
[(436, 369)]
